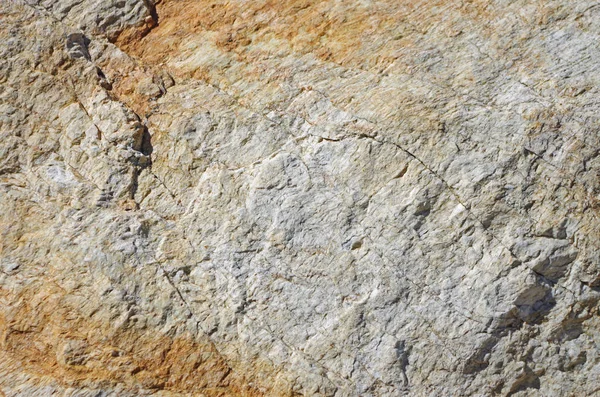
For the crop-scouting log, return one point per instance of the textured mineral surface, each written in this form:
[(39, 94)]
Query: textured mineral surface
[(299, 198)]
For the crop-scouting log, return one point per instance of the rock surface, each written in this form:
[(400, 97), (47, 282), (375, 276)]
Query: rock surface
[(335, 198)]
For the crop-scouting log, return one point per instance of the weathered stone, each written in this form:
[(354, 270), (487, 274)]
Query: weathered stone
[(314, 198)]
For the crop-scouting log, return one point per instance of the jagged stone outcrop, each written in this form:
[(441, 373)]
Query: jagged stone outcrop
[(299, 198)]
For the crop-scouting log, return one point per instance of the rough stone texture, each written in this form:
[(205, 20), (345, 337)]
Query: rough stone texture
[(334, 198)]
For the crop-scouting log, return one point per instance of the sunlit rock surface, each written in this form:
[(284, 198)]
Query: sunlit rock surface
[(317, 198)]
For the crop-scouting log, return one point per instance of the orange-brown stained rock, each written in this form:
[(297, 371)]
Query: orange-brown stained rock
[(369, 37), (337, 33), (47, 334), (347, 33), (46, 339)]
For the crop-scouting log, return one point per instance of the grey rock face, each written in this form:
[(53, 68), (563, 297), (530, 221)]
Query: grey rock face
[(320, 199)]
